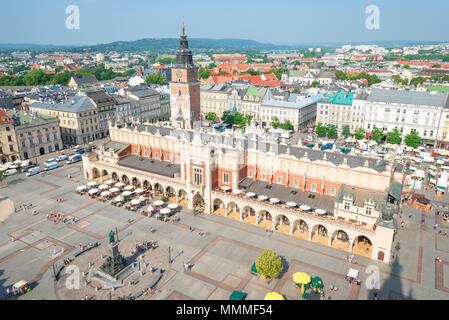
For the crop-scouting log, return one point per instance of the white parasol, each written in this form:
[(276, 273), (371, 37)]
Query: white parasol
[(93, 191), (165, 211), (119, 199), (119, 184), (172, 205), (237, 191), (105, 194), (158, 203), (135, 202), (110, 182), (91, 184), (103, 187), (274, 200), (81, 188), (114, 190), (250, 194), (291, 204), (262, 197), (304, 207), (143, 198), (126, 193), (129, 188), (320, 211), (139, 190), (225, 188)]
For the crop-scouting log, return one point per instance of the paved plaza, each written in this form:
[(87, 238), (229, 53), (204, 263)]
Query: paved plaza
[(220, 249)]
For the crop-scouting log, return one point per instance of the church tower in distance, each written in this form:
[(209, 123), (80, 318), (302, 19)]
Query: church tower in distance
[(185, 88)]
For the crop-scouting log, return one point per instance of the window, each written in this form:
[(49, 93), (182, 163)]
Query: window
[(11, 147), (225, 177), (264, 176), (296, 183), (9, 139), (7, 128), (368, 211), (156, 155), (135, 150), (314, 187), (431, 133), (332, 191), (146, 153), (347, 206), (167, 157), (250, 173), (198, 175), (279, 179)]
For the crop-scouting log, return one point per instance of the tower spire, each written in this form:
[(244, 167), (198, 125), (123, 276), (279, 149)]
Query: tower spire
[(183, 33)]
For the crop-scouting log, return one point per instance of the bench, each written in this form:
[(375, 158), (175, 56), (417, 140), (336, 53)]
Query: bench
[(138, 294), (58, 271), (155, 280)]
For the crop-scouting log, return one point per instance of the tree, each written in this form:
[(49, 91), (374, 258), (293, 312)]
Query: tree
[(211, 116), (203, 73), (155, 78), (275, 123), (377, 134), (227, 117), (436, 66), (394, 137), (320, 130), (331, 131), (287, 125), (398, 79), (345, 132), (314, 83), (296, 90), (212, 65), (359, 134), (412, 139), (269, 264), (2, 177)]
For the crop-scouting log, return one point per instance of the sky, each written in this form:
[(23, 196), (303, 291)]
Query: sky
[(268, 21)]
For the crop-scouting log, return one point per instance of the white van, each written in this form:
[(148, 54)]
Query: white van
[(33, 171), (10, 172)]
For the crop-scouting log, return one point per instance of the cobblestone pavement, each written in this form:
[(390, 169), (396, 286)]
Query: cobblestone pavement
[(220, 249)]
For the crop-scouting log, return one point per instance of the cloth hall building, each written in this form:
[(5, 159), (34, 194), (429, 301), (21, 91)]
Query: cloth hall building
[(338, 200)]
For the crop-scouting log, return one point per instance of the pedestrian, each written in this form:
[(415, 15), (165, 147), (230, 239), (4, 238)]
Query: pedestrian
[(410, 215)]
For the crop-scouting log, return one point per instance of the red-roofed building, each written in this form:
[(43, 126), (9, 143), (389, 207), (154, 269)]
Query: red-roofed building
[(366, 57), (423, 64), (232, 59)]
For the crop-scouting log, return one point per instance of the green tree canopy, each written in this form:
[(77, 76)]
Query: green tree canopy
[(394, 137), (412, 139), (227, 117), (211, 116), (155, 78), (287, 125), (314, 83), (320, 130), (377, 134), (275, 123), (203, 73), (346, 132), (269, 264), (360, 134), (331, 131)]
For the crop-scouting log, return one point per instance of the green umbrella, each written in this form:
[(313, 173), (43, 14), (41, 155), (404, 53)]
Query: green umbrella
[(317, 282)]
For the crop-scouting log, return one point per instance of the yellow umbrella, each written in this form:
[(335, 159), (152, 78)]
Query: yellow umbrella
[(301, 277), (273, 296)]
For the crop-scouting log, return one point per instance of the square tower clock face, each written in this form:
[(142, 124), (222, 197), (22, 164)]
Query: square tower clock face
[(179, 73)]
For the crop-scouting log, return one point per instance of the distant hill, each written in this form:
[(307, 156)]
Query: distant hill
[(171, 44)]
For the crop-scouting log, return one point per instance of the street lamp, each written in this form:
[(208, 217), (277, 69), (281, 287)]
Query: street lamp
[(169, 255)]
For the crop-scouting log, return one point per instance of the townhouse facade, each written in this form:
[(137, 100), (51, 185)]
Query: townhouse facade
[(9, 150), (335, 109)]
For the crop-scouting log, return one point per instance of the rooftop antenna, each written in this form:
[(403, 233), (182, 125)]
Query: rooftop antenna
[(183, 33)]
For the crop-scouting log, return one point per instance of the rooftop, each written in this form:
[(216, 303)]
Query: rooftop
[(164, 168), (436, 99)]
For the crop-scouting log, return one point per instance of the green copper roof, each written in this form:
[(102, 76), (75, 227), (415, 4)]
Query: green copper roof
[(344, 98), (254, 91)]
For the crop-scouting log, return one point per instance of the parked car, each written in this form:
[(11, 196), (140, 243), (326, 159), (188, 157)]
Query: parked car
[(10, 172), (26, 168), (81, 151), (33, 171), (51, 166), (77, 148), (62, 157)]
